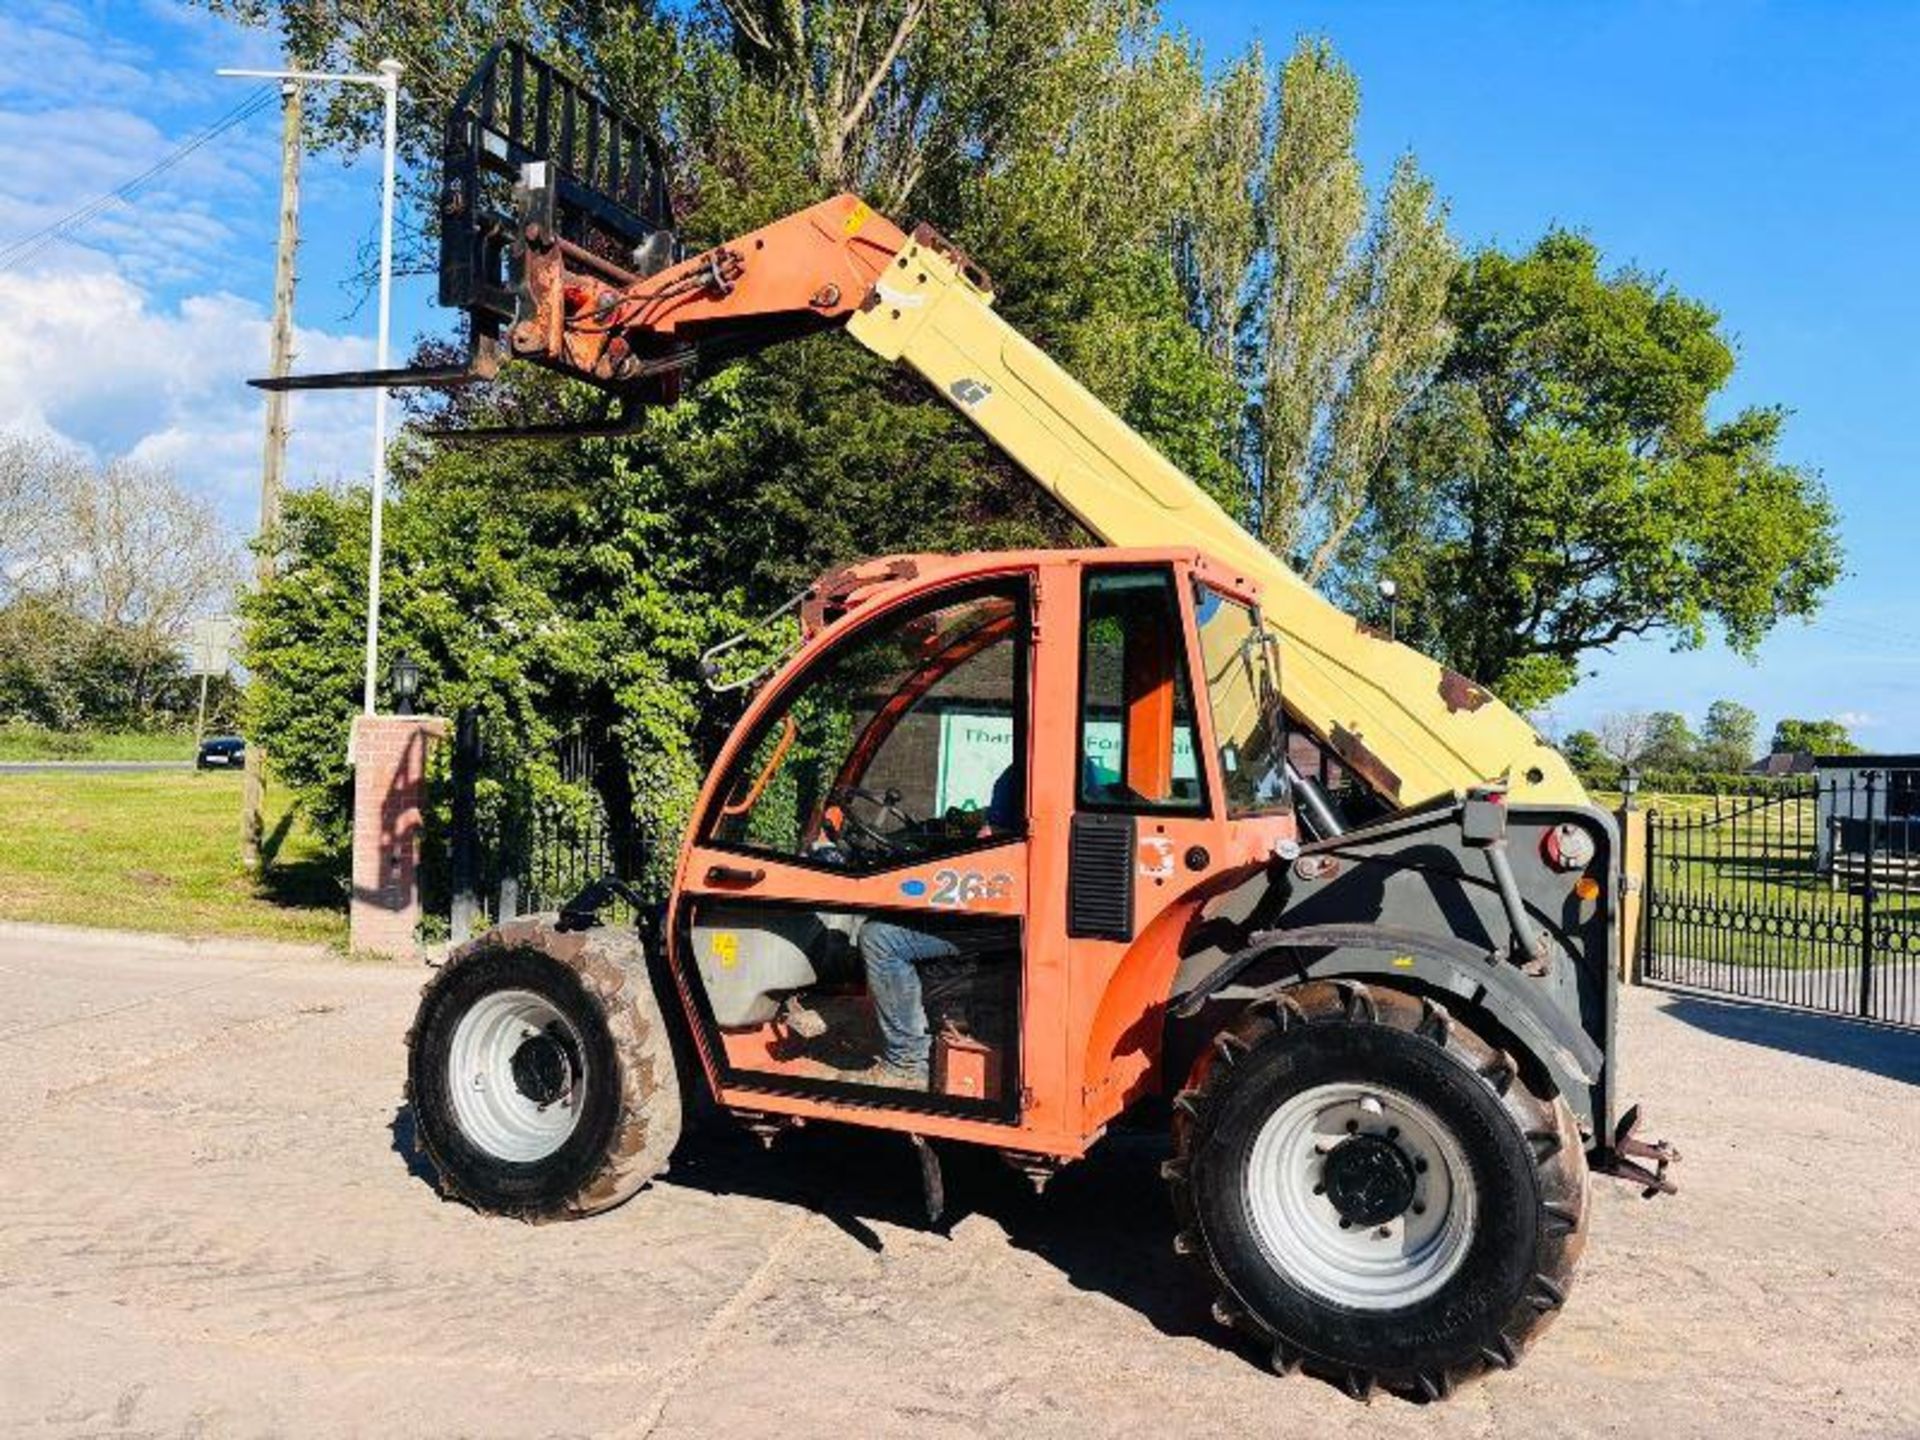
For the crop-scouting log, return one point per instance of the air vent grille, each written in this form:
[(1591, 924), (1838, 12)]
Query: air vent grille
[(1100, 877)]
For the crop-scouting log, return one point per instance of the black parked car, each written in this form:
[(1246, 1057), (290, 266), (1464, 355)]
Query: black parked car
[(221, 752)]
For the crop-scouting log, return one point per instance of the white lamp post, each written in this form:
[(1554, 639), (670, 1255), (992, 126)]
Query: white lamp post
[(388, 80), (1390, 592)]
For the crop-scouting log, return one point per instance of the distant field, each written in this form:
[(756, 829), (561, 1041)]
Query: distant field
[(32, 742), (158, 851)]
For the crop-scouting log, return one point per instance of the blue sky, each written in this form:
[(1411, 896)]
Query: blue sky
[(1762, 157)]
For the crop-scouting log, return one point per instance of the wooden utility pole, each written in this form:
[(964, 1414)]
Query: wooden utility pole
[(274, 463)]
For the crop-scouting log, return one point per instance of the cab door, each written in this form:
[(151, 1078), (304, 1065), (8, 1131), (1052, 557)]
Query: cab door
[(855, 894), (1141, 815), (1176, 753)]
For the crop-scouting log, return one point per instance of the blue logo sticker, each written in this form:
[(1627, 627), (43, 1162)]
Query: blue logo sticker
[(913, 887)]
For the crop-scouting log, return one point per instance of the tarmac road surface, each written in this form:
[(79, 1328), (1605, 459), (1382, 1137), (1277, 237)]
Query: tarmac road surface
[(211, 1224)]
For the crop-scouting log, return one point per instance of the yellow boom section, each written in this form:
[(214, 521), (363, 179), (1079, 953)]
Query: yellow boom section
[(1406, 724)]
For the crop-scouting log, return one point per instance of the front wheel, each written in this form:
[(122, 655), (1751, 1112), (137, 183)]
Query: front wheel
[(1375, 1191), (541, 1074)]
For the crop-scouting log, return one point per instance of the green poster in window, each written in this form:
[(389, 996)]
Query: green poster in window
[(975, 751), (1101, 760)]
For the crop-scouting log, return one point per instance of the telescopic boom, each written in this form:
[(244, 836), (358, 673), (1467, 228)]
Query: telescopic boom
[(639, 328)]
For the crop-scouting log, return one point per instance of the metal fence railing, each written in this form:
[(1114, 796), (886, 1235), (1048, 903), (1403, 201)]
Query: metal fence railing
[(1806, 895), (513, 848)]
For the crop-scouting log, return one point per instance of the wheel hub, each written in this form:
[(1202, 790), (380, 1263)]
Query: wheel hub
[(1361, 1194), (516, 1075), (543, 1069), (1368, 1180)]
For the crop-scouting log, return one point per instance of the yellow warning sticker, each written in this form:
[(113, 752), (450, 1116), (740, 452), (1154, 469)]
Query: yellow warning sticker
[(726, 948), (1403, 962), (856, 217)]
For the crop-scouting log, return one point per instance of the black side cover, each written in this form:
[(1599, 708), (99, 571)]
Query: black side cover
[(1100, 877)]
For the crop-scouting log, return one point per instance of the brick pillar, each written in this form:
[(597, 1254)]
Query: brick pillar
[(389, 792)]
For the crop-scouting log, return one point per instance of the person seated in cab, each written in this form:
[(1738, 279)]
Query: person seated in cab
[(892, 953)]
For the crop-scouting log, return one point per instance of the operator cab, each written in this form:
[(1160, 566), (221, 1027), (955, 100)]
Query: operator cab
[(1003, 767)]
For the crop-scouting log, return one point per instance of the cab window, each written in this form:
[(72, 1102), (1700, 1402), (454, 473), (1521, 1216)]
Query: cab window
[(1136, 701), (905, 742), (1240, 661)]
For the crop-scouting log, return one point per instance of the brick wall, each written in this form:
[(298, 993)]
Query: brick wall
[(389, 790)]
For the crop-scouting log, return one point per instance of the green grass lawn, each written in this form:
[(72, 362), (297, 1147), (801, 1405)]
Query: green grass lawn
[(159, 851), (34, 742)]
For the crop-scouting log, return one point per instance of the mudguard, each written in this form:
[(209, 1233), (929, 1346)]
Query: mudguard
[(1415, 901)]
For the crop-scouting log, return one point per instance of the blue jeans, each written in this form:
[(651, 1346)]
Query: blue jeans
[(892, 955)]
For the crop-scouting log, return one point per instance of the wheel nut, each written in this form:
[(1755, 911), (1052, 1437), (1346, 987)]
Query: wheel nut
[(1353, 1127), (1418, 1208), (1383, 1232), (1421, 1166)]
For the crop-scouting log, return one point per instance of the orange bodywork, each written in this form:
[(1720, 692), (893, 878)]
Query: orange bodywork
[(806, 271), (1091, 1009)]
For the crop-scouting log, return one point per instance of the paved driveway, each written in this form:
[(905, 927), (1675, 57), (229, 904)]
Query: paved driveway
[(208, 1226)]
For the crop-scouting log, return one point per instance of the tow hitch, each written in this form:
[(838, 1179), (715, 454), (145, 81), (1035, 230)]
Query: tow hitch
[(1637, 1161)]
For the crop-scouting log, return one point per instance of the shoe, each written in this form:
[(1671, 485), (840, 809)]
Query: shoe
[(804, 1023), (895, 1077)]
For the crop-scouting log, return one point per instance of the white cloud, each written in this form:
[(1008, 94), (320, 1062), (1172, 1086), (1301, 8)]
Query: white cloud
[(85, 355), (179, 229), (1857, 719), (52, 51), (130, 338), (57, 52)]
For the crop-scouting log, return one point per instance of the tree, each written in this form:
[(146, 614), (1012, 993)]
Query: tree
[(33, 471), (1561, 485), (1081, 157), (1624, 736), (102, 568), (134, 550), (1812, 737), (1584, 751), (1729, 737), (1670, 743), (1346, 313)]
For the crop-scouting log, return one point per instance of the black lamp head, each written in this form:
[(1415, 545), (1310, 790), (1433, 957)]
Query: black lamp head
[(406, 682)]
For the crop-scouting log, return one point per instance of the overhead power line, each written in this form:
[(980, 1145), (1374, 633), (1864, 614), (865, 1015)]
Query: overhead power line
[(17, 252)]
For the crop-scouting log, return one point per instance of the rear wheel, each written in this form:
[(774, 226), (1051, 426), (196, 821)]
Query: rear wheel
[(1374, 1190), (541, 1074)]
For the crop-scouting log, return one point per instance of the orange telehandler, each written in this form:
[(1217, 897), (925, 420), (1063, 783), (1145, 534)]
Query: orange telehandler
[(1013, 844)]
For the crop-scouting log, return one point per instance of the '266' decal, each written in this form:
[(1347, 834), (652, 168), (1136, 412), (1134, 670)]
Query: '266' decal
[(960, 888)]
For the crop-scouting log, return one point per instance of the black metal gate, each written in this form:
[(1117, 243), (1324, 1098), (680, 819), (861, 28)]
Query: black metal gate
[(522, 849), (1805, 894)]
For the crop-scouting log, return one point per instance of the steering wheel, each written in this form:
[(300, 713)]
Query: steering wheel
[(868, 835)]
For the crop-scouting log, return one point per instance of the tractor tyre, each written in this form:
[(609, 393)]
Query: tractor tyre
[(541, 1071), (1375, 1192)]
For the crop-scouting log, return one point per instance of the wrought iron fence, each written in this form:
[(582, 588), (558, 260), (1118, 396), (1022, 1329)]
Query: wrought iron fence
[(514, 848), (1806, 896)]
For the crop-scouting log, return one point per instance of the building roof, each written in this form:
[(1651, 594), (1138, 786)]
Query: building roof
[(1866, 762)]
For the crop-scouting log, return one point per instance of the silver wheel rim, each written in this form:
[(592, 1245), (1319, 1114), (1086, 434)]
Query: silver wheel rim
[(1365, 1267), (516, 1072)]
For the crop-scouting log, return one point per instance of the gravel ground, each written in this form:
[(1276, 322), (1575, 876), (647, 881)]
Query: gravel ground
[(209, 1225)]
